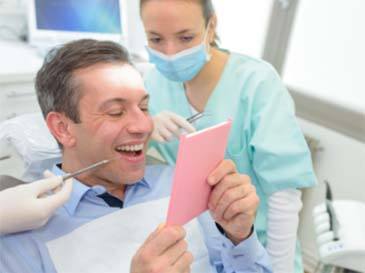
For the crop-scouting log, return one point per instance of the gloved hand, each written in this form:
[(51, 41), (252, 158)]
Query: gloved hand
[(29, 206), (167, 125)]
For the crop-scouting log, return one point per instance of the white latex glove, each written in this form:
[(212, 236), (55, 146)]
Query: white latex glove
[(29, 206), (168, 124)]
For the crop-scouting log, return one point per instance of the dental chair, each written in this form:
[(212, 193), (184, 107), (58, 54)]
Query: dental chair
[(340, 232), (33, 143), (7, 181)]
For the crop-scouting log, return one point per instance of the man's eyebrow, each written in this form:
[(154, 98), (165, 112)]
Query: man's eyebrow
[(105, 104)]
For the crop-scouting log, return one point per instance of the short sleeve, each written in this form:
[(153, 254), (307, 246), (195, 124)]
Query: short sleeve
[(280, 155)]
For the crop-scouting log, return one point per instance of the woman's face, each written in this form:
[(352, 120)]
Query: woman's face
[(174, 25)]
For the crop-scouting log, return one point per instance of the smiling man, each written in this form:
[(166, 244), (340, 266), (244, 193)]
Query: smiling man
[(112, 123), (95, 105)]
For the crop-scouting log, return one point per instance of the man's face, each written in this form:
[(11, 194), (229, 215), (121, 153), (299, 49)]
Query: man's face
[(115, 123)]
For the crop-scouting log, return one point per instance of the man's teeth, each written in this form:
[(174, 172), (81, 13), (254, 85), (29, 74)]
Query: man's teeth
[(130, 148)]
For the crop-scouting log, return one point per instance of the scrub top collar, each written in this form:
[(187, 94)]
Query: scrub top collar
[(210, 107)]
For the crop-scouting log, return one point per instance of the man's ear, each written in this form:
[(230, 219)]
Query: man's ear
[(61, 128)]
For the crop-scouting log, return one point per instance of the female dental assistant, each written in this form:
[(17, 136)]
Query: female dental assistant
[(193, 75)]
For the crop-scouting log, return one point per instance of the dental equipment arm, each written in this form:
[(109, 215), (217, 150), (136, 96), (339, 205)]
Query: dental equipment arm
[(339, 226), (344, 248)]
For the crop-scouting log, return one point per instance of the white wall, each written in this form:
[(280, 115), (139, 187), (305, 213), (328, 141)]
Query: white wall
[(136, 36), (342, 163), (326, 52), (242, 25), (12, 18)]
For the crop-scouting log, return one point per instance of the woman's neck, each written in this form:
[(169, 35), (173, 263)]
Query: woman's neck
[(199, 89)]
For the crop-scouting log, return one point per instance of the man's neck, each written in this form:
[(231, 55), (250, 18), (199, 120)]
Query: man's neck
[(70, 164)]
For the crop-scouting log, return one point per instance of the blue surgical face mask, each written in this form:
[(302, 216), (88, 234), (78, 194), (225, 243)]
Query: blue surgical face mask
[(182, 66)]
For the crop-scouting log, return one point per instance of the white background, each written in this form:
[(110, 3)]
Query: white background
[(327, 52)]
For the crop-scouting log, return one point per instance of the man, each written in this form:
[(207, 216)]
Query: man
[(96, 107)]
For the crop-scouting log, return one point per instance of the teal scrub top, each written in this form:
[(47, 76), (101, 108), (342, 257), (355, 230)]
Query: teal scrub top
[(265, 140)]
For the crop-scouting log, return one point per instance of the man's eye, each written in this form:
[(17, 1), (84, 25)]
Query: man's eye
[(144, 108), (116, 113)]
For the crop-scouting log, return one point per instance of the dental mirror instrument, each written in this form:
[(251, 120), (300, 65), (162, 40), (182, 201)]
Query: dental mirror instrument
[(195, 117), (8, 181), (91, 167)]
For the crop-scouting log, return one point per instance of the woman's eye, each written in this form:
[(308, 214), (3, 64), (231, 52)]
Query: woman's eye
[(186, 38), (155, 40)]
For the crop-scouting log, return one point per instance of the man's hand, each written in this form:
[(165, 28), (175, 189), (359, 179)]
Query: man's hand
[(233, 201), (165, 251)]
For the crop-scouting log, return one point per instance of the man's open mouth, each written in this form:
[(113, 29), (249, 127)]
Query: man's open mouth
[(130, 150)]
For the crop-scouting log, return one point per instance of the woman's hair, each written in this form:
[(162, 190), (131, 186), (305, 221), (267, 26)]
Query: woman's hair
[(208, 12)]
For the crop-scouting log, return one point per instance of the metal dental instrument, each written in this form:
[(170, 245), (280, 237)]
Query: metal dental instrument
[(10, 181), (195, 117), (91, 167)]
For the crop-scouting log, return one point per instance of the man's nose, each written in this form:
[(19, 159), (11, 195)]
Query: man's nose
[(140, 123)]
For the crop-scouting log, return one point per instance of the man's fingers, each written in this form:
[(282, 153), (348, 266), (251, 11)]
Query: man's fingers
[(166, 238), (155, 232), (227, 198), (224, 168), (52, 202), (244, 205), (184, 262), (176, 251), (153, 235), (228, 182)]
